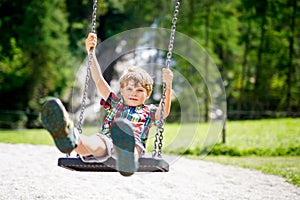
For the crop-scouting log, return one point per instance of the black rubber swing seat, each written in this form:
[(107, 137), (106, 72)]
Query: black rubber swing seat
[(146, 164)]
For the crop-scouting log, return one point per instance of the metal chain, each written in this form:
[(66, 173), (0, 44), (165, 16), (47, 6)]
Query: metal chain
[(88, 73), (160, 129)]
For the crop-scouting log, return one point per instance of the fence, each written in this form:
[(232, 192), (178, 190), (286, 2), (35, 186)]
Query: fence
[(16, 119)]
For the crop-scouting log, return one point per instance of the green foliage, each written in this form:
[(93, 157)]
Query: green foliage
[(13, 77), (12, 120), (37, 59), (221, 149), (254, 43), (13, 74), (46, 42)]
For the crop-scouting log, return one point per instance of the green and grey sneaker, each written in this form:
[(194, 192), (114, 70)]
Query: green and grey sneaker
[(56, 120), (124, 144)]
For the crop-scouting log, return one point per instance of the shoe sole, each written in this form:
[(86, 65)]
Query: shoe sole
[(54, 120), (124, 143)]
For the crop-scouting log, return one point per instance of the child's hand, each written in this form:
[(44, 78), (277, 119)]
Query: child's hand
[(167, 77), (90, 42)]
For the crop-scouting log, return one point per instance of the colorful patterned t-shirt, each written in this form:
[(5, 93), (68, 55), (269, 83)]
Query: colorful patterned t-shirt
[(142, 117)]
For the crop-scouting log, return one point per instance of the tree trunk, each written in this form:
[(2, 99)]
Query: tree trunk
[(206, 99), (291, 56), (257, 76), (244, 68)]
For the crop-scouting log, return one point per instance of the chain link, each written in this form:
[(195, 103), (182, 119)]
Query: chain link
[(88, 73), (160, 129)]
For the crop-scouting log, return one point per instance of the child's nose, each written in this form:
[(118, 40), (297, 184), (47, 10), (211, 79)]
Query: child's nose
[(134, 92)]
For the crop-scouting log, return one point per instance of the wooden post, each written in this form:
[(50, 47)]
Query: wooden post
[(224, 132)]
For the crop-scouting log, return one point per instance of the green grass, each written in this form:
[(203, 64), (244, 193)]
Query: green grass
[(32, 136), (272, 145), (271, 137)]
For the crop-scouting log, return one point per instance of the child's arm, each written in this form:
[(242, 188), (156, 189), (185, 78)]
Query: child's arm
[(167, 77), (102, 86)]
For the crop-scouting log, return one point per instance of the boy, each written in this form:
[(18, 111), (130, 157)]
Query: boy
[(126, 127)]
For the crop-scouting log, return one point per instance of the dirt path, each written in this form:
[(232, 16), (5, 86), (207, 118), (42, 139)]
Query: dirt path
[(30, 172)]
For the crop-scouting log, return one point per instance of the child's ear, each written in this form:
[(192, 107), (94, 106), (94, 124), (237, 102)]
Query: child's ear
[(148, 95)]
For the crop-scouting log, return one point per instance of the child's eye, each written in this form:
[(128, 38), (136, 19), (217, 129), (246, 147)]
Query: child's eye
[(140, 90)]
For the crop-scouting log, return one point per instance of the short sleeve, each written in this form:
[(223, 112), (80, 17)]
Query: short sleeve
[(111, 101), (153, 110)]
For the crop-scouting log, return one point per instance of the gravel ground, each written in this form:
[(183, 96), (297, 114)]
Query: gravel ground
[(31, 172)]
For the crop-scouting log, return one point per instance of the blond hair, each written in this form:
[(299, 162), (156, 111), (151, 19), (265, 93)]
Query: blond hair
[(139, 76)]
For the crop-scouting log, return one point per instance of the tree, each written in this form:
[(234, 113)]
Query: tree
[(254, 43), (291, 65), (45, 55)]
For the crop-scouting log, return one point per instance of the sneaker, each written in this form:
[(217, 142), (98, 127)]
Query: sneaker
[(124, 144), (56, 120)]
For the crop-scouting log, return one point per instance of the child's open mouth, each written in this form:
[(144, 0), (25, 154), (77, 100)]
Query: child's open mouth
[(133, 99)]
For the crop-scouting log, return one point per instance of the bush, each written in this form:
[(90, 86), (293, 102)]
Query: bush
[(222, 149), (12, 119), (33, 120)]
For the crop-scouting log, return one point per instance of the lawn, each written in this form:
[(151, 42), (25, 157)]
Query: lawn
[(269, 137), (270, 145)]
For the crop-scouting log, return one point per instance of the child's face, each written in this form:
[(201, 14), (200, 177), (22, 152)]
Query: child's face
[(134, 94)]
